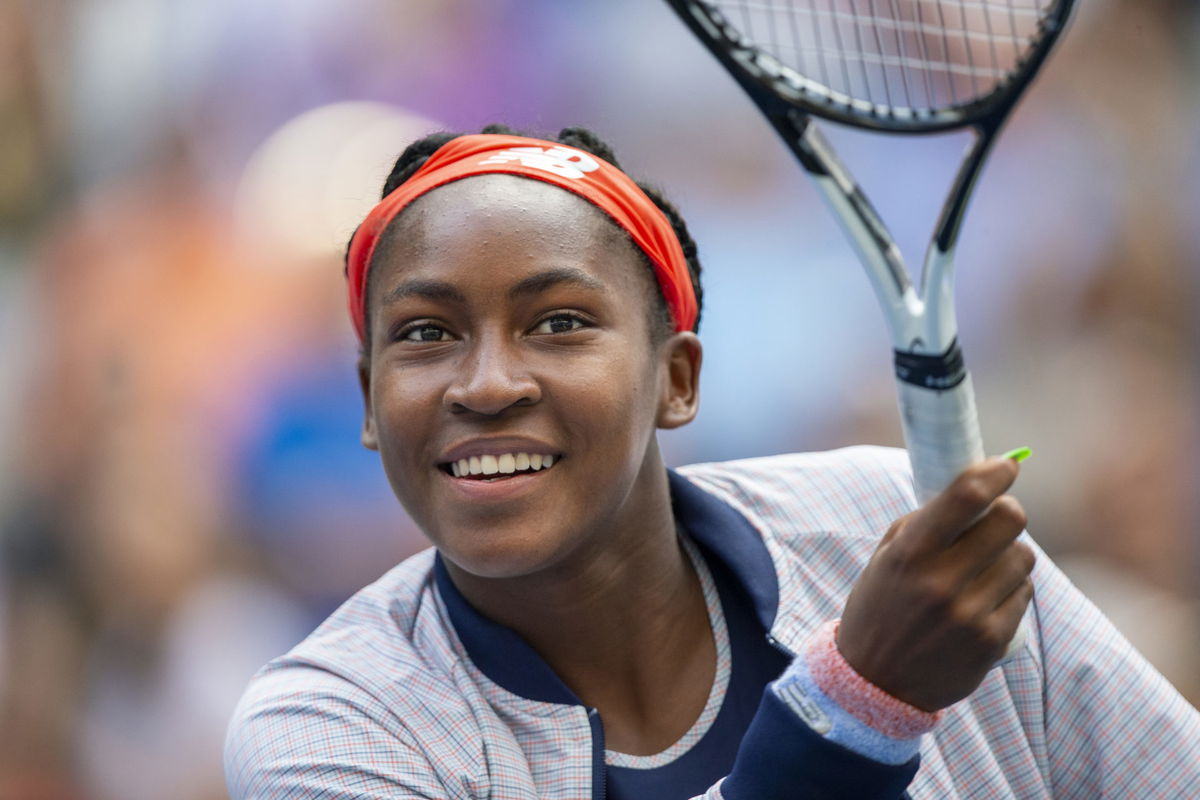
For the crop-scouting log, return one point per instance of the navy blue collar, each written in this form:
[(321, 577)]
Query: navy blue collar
[(717, 527), (723, 532)]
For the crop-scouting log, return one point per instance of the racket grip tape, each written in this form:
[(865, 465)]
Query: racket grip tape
[(941, 430)]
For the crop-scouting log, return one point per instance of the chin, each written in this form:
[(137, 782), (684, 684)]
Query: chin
[(499, 554)]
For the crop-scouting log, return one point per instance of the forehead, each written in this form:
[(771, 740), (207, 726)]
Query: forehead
[(526, 219)]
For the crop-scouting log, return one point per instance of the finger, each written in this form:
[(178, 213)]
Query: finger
[(995, 585), (944, 518), (982, 543), (1006, 619), (991, 632)]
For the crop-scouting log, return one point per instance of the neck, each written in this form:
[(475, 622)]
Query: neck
[(623, 624)]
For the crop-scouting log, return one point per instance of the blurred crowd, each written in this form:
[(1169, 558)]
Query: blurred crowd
[(182, 490)]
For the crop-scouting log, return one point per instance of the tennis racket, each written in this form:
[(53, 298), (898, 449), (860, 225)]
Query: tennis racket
[(893, 66)]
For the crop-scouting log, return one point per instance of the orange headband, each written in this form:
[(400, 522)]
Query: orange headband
[(593, 179)]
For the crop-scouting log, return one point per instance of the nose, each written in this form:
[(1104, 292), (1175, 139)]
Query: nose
[(491, 378)]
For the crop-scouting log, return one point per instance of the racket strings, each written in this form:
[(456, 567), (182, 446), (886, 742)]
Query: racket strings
[(920, 55)]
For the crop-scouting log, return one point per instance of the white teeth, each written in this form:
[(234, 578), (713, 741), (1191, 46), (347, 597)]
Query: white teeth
[(503, 464)]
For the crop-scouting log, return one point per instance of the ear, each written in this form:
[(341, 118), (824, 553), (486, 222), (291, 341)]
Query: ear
[(369, 439), (679, 398)]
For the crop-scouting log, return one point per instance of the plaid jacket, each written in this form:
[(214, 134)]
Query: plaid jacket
[(405, 692)]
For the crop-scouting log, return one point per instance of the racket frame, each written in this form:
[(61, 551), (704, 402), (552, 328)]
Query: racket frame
[(770, 82), (936, 398)]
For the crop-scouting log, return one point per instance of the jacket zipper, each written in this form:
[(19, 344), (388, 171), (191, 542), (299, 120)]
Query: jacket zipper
[(599, 767)]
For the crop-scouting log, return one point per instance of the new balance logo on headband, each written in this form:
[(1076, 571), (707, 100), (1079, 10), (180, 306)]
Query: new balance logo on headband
[(563, 161)]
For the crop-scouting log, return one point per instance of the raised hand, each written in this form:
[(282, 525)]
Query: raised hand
[(944, 592)]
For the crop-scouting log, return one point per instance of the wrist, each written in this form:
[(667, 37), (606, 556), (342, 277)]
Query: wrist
[(868, 703)]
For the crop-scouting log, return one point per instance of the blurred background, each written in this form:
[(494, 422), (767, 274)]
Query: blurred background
[(182, 492)]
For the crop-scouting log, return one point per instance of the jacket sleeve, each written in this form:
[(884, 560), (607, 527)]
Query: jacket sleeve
[(1114, 726), (782, 757), (314, 736)]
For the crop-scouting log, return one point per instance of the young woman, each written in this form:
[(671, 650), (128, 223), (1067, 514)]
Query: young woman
[(591, 624)]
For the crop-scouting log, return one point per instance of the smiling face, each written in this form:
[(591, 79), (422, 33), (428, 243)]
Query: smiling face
[(513, 384)]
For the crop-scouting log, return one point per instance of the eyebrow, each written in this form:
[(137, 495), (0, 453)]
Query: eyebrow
[(548, 279), (440, 291), (425, 289)]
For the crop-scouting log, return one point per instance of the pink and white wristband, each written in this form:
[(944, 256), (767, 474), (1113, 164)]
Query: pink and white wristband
[(825, 692), (834, 676)]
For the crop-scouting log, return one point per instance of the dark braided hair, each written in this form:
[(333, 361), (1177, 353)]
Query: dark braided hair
[(417, 153)]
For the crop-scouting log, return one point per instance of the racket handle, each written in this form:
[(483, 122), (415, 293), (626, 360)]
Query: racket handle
[(941, 430)]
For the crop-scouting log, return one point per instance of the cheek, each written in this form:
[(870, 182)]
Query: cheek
[(615, 395), (403, 404)]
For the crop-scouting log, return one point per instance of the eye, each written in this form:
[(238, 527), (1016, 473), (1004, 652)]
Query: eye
[(559, 323), (425, 332)]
